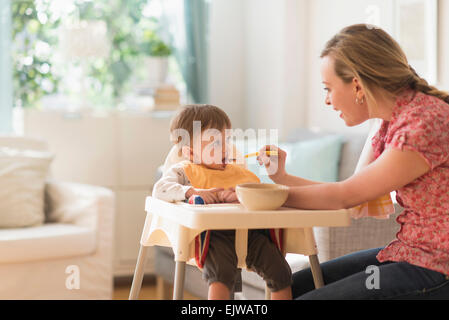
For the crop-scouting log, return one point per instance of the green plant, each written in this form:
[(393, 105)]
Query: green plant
[(153, 45), (33, 36)]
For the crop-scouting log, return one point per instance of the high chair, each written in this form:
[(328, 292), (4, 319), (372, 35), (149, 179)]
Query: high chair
[(177, 224)]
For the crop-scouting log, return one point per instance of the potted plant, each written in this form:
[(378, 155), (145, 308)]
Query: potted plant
[(157, 60)]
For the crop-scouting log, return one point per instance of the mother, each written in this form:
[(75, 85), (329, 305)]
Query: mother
[(367, 76)]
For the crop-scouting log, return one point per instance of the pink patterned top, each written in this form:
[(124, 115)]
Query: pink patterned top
[(421, 123)]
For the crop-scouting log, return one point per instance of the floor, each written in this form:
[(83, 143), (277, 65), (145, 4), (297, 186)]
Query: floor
[(147, 292)]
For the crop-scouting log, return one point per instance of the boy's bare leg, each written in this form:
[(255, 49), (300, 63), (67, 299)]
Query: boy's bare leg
[(219, 291), (283, 294)]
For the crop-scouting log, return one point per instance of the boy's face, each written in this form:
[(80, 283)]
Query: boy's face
[(213, 149)]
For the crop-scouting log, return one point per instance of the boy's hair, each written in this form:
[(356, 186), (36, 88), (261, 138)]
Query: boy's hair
[(211, 117)]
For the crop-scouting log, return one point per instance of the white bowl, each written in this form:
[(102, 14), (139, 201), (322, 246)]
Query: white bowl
[(261, 196)]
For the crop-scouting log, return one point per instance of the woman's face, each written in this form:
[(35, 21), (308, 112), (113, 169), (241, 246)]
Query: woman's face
[(342, 96)]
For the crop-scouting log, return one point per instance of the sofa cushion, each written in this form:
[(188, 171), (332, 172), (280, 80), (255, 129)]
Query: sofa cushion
[(350, 151), (22, 180), (48, 241)]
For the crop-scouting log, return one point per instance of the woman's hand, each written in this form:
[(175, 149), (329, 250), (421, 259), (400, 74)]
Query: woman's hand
[(275, 165), (228, 196), (208, 195)]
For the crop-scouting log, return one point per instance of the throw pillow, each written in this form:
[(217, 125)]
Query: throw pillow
[(22, 183)]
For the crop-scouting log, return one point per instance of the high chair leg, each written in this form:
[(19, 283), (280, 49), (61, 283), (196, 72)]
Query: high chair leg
[(316, 271), (267, 292), (178, 289), (164, 290), (138, 273)]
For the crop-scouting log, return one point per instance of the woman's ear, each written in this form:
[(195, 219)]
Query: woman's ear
[(358, 88)]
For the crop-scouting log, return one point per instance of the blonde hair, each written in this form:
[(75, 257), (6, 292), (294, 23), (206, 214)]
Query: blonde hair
[(211, 117), (377, 60)]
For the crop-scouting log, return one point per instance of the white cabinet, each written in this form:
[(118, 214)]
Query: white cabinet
[(117, 150)]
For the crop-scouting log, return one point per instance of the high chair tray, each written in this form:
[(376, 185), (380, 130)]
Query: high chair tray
[(225, 215)]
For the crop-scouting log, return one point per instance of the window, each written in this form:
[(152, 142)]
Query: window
[(90, 53)]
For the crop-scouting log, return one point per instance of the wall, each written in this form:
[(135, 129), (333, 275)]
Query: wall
[(296, 73), (276, 73), (263, 61), (226, 58)]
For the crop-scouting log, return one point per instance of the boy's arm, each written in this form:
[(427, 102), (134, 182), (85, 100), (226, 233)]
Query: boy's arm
[(172, 186), (175, 186)]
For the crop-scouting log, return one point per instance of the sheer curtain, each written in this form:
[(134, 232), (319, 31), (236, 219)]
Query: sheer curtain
[(5, 68), (187, 25)]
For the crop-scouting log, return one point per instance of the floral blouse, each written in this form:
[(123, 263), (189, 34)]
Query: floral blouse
[(420, 123)]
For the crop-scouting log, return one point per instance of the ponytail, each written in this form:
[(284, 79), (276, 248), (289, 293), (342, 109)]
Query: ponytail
[(419, 84)]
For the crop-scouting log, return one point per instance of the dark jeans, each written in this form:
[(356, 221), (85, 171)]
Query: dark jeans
[(347, 277)]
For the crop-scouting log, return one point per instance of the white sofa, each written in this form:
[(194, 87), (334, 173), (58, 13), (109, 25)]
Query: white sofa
[(70, 257)]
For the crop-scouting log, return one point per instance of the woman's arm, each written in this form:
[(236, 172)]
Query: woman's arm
[(293, 181), (391, 171)]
